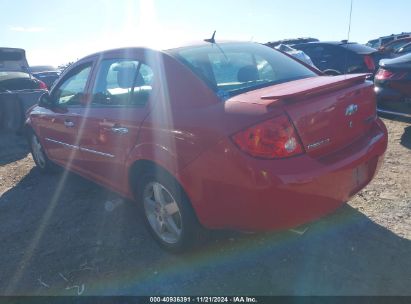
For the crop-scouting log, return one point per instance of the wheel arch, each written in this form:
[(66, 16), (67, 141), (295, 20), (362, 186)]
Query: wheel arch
[(139, 168)]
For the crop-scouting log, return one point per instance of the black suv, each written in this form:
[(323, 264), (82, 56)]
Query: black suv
[(335, 58)]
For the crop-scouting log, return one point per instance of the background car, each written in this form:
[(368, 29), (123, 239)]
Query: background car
[(212, 135), (335, 58), (18, 92), (13, 60), (403, 50), (379, 42), (47, 74), (393, 86), (388, 50), (290, 42)]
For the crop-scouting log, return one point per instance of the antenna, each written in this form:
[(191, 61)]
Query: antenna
[(348, 39), (211, 40), (349, 23)]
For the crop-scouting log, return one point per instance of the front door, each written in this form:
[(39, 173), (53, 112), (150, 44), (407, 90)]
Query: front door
[(59, 126)]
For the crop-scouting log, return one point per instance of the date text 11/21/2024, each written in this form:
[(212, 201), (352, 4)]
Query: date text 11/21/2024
[(205, 299)]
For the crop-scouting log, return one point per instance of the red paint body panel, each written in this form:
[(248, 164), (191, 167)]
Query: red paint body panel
[(229, 189), (186, 129)]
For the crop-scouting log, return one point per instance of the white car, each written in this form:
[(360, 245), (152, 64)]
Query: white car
[(300, 55)]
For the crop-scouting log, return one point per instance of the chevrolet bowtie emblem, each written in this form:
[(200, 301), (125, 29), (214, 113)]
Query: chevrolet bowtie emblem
[(351, 109)]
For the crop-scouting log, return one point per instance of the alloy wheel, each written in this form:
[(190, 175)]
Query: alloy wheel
[(162, 212)]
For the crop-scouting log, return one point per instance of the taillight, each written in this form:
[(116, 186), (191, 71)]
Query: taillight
[(274, 138), (42, 85), (385, 74), (369, 62)]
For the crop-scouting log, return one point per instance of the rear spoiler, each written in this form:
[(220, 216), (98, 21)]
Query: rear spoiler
[(308, 87)]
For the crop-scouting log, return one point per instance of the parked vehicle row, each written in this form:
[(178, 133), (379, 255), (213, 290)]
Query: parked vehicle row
[(47, 74), (336, 58), (19, 89), (212, 135), (394, 48), (379, 42), (392, 82), (393, 86)]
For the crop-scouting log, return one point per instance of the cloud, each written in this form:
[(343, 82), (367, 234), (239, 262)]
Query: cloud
[(32, 29)]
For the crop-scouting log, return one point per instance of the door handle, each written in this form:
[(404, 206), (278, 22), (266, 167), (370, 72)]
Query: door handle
[(69, 124), (119, 130)]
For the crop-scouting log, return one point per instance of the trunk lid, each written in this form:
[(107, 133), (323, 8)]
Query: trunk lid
[(329, 112)]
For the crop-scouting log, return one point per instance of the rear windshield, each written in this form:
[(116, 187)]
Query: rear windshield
[(234, 68), (6, 55)]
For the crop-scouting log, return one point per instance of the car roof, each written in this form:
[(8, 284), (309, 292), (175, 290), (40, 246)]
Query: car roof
[(327, 42), (42, 68), (397, 40), (351, 46), (166, 48)]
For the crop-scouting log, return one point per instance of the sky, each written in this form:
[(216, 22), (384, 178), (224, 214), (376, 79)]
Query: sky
[(56, 32)]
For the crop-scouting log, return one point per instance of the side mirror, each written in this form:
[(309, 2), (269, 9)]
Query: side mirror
[(45, 100)]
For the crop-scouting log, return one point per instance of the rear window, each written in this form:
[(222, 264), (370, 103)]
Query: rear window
[(234, 68), (6, 55), (373, 43)]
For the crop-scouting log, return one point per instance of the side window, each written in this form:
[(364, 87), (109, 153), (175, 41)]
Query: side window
[(265, 70), (71, 90), (122, 82), (315, 53), (142, 85)]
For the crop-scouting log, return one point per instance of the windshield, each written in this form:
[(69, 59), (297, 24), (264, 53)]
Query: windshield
[(234, 68)]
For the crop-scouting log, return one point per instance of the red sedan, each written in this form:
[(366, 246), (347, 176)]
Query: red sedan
[(215, 135)]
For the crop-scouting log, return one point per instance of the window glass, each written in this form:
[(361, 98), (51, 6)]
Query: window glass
[(122, 82), (71, 90), (405, 49), (398, 45), (234, 68), (386, 40)]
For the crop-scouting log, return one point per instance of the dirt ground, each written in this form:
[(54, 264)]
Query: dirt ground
[(63, 235)]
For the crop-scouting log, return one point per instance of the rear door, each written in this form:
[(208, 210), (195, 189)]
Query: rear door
[(118, 105), (59, 126)]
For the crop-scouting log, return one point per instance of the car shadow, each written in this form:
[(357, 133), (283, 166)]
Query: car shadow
[(406, 138), (12, 147), (63, 235)]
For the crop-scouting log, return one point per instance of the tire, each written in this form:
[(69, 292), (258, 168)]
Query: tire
[(39, 156), (168, 213)]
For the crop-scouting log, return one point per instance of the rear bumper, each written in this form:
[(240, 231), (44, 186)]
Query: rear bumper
[(393, 102), (229, 189)]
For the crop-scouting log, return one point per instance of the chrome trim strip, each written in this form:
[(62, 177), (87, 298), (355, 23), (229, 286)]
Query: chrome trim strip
[(394, 113), (79, 148), (97, 152), (318, 143), (64, 144)]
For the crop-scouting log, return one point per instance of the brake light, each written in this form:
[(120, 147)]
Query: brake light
[(385, 74), (369, 62), (274, 138), (42, 85)]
